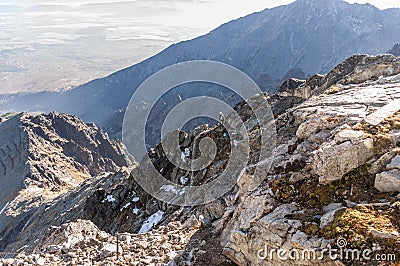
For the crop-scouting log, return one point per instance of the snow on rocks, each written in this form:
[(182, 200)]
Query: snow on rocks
[(184, 180), (152, 221), (135, 210), (110, 198), (4, 208), (185, 154), (125, 206), (172, 189), (135, 199)]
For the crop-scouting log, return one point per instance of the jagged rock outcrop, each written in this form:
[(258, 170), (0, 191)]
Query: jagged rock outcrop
[(44, 156), (354, 70), (395, 50), (287, 96)]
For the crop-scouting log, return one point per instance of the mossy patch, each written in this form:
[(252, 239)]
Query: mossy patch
[(374, 222), (333, 90), (381, 134), (356, 186), (357, 225)]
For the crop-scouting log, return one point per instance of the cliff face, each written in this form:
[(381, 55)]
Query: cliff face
[(44, 156), (335, 174)]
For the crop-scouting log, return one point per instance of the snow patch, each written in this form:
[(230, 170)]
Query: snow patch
[(4, 208), (26, 224), (135, 210), (183, 157), (126, 206), (235, 143), (172, 189), (135, 199), (110, 198), (184, 180), (152, 221), (187, 152)]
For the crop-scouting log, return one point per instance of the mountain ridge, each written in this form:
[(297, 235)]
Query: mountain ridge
[(44, 156)]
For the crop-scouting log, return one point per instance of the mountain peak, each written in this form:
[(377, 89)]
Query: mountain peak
[(320, 2)]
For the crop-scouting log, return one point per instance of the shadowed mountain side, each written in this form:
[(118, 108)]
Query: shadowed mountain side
[(44, 156)]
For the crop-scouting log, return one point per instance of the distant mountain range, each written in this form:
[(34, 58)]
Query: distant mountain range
[(296, 40)]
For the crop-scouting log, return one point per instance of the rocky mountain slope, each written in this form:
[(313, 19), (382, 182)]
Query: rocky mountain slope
[(297, 40), (44, 156), (335, 175)]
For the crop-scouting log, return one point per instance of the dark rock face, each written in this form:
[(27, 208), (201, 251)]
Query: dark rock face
[(289, 86), (44, 156), (86, 147), (287, 96)]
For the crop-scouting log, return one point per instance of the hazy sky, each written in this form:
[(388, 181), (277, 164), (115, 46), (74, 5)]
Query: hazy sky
[(24, 23), (382, 4), (47, 44)]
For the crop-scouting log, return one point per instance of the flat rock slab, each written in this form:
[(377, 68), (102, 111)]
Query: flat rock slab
[(386, 111), (331, 163), (394, 164), (388, 181), (352, 135)]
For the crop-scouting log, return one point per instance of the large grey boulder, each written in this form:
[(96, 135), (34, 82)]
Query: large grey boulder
[(332, 162), (394, 164), (388, 181)]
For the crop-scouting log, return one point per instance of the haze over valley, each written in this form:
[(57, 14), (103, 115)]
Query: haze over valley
[(52, 45)]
